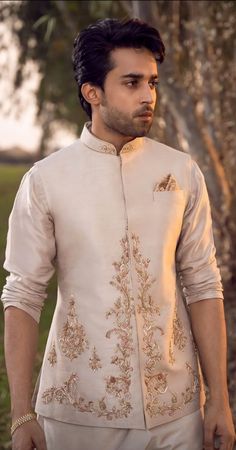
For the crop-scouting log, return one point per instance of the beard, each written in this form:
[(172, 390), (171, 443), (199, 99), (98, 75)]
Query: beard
[(125, 124)]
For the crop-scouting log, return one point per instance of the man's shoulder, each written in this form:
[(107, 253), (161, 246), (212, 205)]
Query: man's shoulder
[(161, 150), (60, 157)]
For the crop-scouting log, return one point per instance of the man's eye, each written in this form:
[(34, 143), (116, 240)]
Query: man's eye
[(132, 83), (154, 83)]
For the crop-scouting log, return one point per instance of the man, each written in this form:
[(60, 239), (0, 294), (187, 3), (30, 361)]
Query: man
[(126, 222)]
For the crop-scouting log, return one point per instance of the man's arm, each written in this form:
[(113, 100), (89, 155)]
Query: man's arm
[(21, 338), (30, 256), (208, 326)]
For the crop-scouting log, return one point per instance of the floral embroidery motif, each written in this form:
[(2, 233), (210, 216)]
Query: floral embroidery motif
[(106, 148), (155, 407), (95, 361), (147, 308), (110, 149), (171, 353), (73, 342), (155, 381), (73, 338), (68, 394), (52, 355), (117, 386), (178, 337), (123, 310), (127, 148), (168, 183)]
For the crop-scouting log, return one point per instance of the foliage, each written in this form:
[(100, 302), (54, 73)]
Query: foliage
[(44, 32)]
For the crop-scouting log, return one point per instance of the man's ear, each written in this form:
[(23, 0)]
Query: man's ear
[(91, 93)]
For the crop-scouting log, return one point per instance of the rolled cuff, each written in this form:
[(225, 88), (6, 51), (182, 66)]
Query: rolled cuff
[(25, 295), (205, 283), (27, 308), (211, 294)]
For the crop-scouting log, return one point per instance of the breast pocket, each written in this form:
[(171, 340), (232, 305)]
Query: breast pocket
[(169, 207), (169, 196)]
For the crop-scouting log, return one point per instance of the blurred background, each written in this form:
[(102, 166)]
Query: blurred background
[(40, 113)]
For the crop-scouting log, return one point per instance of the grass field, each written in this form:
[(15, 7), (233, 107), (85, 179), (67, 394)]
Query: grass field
[(10, 176)]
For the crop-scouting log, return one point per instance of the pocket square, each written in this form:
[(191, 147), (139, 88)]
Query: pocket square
[(168, 183)]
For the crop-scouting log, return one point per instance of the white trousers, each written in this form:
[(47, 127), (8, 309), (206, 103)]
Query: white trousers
[(181, 434)]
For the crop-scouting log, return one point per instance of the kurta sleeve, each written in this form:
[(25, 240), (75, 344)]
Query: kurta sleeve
[(195, 255), (31, 249)]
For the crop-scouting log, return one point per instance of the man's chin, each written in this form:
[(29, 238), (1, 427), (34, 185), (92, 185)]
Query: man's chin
[(143, 130)]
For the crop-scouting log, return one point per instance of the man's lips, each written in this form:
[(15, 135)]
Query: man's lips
[(145, 114)]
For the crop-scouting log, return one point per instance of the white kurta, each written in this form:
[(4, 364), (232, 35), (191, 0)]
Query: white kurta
[(124, 233)]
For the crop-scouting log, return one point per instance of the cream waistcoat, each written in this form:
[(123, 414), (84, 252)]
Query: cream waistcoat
[(131, 239)]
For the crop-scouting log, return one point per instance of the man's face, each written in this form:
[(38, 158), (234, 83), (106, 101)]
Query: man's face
[(129, 96)]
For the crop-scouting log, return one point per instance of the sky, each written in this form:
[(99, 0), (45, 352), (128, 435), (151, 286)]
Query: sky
[(19, 129)]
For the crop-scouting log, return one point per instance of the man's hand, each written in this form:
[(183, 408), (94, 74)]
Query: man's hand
[(208, 326), (218, 427), (29, 436)]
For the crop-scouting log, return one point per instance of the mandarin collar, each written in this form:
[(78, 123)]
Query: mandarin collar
[(93, 142)]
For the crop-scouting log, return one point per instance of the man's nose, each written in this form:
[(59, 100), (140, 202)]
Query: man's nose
[(148, 95)]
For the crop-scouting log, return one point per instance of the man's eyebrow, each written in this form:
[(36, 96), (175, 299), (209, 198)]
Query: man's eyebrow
[(138, 76)]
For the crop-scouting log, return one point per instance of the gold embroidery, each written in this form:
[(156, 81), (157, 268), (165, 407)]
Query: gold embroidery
[(171, 353), (127, 148), (155, 381), (168, 183), (73, 338), (178, 337), (155, 407), (122, 311), (117, 386), (146, 308), (68, 394), (156, 384), (194, 387), (110, 149), (95, 361), (52, 355)]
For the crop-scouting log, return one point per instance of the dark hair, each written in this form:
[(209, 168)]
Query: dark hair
[(92, 47)]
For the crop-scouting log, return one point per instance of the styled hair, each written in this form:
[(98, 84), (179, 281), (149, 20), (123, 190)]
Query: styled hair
[(93, 45)]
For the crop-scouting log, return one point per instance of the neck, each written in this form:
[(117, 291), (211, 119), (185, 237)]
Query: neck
[(107, 134)]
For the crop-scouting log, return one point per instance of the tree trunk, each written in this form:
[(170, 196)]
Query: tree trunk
[(182, 119)]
